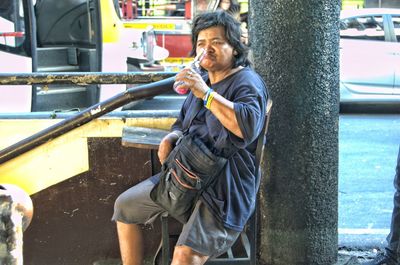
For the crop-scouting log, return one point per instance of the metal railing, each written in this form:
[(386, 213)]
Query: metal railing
[(154, 84), (82, 78)]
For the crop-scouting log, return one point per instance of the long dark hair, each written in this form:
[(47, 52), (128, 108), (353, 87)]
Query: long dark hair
[(232, 34)]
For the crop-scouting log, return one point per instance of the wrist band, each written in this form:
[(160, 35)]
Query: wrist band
[(206, 95), (209, 99)]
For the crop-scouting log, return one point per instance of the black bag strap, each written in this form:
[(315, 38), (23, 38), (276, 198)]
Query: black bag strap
[(198, 106)]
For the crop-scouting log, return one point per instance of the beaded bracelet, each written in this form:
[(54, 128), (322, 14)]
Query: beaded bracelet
[(209, 99)]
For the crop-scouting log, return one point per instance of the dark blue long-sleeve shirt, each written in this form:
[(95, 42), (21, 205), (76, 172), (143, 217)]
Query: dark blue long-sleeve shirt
[(232, 197)]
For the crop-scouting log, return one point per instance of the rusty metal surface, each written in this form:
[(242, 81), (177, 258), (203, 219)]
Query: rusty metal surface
[(72, 221), (79, 78), (125, 114)]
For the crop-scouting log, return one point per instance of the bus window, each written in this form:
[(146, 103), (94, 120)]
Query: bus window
[(14, 55), (12, 27), (160, 8), (142, 9)]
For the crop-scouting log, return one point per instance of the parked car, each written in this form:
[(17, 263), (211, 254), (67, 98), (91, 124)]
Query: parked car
[(370, 57)]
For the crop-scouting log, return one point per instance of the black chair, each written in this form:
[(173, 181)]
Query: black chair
[(242, 253)]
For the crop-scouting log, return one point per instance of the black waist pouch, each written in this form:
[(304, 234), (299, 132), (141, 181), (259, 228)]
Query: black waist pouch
[(187, 171)]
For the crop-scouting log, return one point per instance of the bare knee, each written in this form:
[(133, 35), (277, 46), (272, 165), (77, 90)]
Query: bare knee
[(184, 255)]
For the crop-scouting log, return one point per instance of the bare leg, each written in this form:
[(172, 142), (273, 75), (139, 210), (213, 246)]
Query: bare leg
[(130, 243), (184, 255)]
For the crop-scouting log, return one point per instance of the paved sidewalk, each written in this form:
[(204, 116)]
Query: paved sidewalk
[(354, 256), (346, 256)]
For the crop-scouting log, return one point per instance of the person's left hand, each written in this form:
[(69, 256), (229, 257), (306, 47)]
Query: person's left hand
[(167, 144), (193, 81)]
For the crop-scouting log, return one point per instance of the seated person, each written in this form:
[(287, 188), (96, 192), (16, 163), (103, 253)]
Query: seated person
[(231, 102)]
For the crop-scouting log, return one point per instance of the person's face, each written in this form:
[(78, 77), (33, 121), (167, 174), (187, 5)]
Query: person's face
[(225, 4), (219, 52)]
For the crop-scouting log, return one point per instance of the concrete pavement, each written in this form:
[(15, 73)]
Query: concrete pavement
[(349, 256), (345, 257)]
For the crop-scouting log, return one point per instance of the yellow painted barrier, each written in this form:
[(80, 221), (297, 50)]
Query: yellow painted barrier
[(63, 157)]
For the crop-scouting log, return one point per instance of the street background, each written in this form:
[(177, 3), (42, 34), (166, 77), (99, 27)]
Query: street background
[(368, 147)]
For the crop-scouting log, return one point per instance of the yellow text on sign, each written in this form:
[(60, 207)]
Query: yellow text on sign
[(156, 26)]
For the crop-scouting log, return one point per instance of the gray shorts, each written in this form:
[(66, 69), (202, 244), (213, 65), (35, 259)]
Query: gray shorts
[(203, 232)]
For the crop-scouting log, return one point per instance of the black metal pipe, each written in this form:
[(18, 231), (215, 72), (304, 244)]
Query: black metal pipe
[(79, 78), (85, 116)]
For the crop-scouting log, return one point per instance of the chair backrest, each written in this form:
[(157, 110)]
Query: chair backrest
[(263, 134)]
